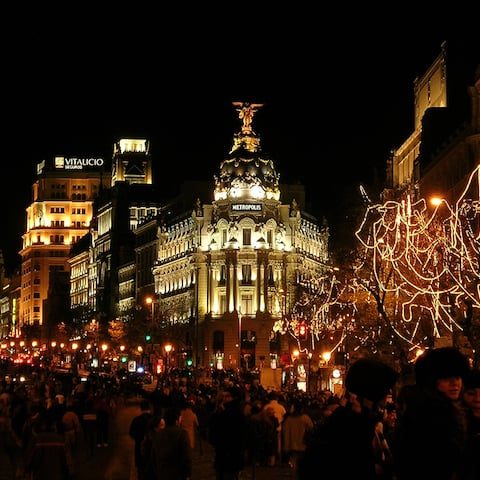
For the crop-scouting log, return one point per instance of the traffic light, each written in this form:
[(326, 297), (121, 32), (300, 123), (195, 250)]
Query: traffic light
[(124, 359), (148, 337), (302, 331), (189, 360)]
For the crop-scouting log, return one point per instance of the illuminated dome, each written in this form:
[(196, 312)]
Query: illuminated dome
[(247, 173)]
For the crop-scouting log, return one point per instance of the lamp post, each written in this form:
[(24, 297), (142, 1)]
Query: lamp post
[(168, 348), (310, 354), (149, 301), (239, 339), (326, 356)]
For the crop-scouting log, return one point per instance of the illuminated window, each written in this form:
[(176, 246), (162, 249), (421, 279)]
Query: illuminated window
[(247, 303), (246, 274), (223, 274), (223, 303)]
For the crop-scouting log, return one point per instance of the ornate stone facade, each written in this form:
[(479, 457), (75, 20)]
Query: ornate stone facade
[(230, 269)]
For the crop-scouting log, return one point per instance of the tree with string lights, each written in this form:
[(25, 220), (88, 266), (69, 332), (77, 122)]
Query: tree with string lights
[(422, 267)]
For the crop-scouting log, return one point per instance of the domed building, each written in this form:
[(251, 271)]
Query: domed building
[(228, 271)]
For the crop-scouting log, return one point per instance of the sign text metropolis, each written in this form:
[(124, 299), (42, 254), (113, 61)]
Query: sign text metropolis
[(246, 207)]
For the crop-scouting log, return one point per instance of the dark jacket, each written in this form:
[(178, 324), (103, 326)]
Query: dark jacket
[(171, 454), (342, 447), (430, 438), (138, 430), (227, 435)]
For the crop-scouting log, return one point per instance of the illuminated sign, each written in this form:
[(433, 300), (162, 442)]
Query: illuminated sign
[(246, 207), (77, 163)]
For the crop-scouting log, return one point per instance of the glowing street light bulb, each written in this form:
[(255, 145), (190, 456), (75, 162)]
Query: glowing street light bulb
[(104, 347), (336, 373), (53, 344), (295, 353), (74, 345), (122, 348), (436, 201), (168, 347), (326, 356), (34, 343)]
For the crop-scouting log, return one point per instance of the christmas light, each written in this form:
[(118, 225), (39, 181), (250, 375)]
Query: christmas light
[(427, 261)]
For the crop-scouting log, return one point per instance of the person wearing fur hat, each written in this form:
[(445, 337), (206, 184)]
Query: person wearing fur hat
[(343, 447), (431, 433)]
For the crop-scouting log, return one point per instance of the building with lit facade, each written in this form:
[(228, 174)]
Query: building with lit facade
[(430, 90), (9, 302), (450, 160), (103, 278), (229, 269), (58, 217), (436, 159)]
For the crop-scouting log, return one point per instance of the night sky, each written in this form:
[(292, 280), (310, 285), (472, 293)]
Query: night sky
[(337, 104)]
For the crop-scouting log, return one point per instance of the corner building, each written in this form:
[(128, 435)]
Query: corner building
[(58, 217), (230, 269)]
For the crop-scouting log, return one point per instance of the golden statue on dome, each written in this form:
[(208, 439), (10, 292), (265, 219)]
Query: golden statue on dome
[(246, 111)]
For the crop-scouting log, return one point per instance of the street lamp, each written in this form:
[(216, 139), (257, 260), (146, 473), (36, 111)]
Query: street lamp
[(326, 356), (239, 339), (149, 301), (310, 355), (168, 348), (436, 201)]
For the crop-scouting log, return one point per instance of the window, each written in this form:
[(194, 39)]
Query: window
[(271, 281), (36, 295), (223, 303), (224, 237), (246, 274), (269, 238), (223, 274), (247, 236), (247, 303)]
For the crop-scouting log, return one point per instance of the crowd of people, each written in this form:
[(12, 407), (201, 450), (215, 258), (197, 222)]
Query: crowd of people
[(379, 429)]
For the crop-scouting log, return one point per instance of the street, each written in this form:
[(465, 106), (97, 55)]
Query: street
[(115, 462)]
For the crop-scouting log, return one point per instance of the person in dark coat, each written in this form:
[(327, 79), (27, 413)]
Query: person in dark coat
[(342, 447), (431, 430), (471, 400), (228, 428), (47, 457), (138, 430), (171, 454)]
